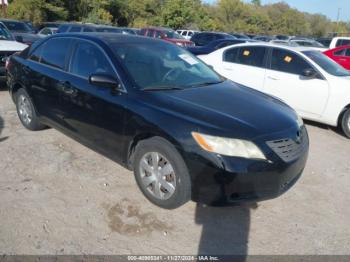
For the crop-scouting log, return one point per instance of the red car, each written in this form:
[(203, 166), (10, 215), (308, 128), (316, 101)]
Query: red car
[(166, 34), (341, 55)]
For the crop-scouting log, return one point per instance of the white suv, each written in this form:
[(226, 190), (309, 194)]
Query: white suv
[(187, 34), (339, 41), (313, 84)]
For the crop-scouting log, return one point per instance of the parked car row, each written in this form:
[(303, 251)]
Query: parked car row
[(314, 85)]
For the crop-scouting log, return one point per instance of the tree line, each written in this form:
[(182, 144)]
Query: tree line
[(224, 15)]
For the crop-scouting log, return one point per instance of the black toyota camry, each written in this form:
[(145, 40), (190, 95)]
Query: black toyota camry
[(186, 132)]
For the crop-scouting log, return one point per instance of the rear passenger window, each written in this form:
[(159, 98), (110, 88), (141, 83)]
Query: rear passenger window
[(231, 55), (88, 59), (55, 51), (36, 55), (347, 53), (75, 29), (288, 62), (251, 56)]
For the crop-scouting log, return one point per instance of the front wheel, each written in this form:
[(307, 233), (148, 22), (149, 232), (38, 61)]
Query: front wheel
[(161, 173), (345, 123)]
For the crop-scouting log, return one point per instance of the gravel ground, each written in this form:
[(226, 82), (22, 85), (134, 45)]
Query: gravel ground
[(59, 197)]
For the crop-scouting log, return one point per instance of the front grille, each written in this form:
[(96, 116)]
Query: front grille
[(5, 54), (290, 149)]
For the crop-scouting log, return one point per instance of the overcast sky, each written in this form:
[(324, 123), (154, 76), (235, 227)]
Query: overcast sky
[(326, 7)]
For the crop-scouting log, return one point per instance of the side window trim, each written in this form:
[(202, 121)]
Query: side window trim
[(72, 54)]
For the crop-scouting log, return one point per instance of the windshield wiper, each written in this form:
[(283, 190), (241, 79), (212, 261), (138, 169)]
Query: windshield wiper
[(207, 83), (161, 88)]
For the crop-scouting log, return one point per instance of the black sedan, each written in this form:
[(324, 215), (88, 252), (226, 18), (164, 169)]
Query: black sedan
[(159, 111), (215, 45)]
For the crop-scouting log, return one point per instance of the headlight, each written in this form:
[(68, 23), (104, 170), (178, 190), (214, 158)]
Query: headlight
[(300, 121), (228, 146)]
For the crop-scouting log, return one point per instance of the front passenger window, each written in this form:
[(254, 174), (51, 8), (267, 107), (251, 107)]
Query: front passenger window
[(88, 59), (288, 62)]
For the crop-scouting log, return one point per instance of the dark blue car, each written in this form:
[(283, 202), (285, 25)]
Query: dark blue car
[(151, 106)]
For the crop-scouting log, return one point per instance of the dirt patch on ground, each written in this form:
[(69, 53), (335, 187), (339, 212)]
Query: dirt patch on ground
[(128, 219)]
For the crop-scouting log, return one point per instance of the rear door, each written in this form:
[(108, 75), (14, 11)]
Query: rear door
[(284, 79), (245, 65), (46, 71), (95, 114)]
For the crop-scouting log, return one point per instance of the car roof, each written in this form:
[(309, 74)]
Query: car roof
[(292, 48), (158, 28), (109, 37), (342, 37)]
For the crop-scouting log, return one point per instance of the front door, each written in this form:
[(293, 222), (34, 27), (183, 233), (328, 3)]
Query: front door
[(284, 79), (96, 114)]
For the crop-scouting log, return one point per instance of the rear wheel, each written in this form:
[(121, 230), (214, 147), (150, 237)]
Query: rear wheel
[(345, 123), (161, 173), (26, 111)]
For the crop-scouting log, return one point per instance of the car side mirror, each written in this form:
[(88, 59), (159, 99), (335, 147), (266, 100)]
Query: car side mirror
[(309, 73), (19, 38), (102, 80)]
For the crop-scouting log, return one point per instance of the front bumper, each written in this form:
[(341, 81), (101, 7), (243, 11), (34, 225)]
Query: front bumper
[(221, 180)]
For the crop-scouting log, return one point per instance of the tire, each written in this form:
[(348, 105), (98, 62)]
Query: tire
[(172, 178), (345, 123), (26, 111)]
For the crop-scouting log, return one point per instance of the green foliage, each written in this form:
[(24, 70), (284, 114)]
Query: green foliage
[(37, 10), (224, 15)]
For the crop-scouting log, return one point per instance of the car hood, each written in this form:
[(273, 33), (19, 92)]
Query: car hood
[(229, 108), (8, 45)]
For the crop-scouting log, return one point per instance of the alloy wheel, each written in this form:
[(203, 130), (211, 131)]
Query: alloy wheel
[(25, 110)]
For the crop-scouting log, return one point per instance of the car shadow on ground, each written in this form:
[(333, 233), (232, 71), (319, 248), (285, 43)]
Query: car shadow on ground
[(335, 129), (225, 230)]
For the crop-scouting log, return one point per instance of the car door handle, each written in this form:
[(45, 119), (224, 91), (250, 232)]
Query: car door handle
[(67, 88), (228, 68), (273, 78)]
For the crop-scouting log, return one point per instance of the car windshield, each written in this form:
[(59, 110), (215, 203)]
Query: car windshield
[(326, 63), (172, 34), (157, 65), (17, 26), (5, 34)]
